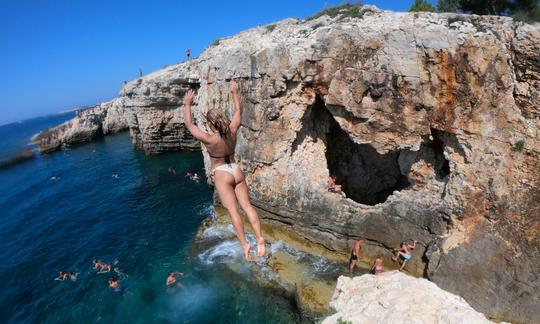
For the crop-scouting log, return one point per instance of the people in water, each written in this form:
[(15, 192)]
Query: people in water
[(355, 254), (228, 178), (189, 174), (171, 279), (377, 265), (114, 284), (172, 170), (114, 175), (54, 178), (334, 187), (64, 275), (101, 266), (403, 252), (195, 177)]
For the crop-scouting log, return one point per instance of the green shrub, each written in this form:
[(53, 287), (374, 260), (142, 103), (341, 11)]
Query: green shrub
[(341, 321), (519, 145), (317, 26), (422, 6), (215, 43), (348, 10), (270, 27)]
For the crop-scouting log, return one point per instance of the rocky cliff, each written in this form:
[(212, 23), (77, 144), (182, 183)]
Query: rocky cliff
[(394, 297), (429, 121)]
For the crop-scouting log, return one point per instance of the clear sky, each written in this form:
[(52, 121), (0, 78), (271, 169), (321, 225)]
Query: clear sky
[(60, 54)]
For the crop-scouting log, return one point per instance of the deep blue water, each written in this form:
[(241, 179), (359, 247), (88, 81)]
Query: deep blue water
[(142, 222)]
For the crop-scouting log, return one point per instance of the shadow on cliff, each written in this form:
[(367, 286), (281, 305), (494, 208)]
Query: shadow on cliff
[(366, 176)]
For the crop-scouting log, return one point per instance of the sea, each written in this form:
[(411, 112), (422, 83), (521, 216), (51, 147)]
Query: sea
[(106, 201)]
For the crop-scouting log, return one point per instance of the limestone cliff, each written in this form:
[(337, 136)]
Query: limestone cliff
[(429, 121), (394, 297)]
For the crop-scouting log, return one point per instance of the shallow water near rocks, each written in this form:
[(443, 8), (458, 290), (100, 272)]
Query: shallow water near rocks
[(142, 222)]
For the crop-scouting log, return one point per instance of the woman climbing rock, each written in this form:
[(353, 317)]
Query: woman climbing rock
[(228, 178)]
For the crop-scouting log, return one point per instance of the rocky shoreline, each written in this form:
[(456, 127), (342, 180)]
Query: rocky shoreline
[(429, 121)]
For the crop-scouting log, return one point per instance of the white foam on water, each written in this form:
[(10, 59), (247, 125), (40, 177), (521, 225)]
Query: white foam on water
[(229, 249), (213, 231)]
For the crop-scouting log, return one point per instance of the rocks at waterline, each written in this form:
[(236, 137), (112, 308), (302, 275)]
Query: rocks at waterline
[(416, 114), (394, 297)]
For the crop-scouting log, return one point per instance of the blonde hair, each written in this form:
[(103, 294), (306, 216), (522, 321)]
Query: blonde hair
[(219, 121)]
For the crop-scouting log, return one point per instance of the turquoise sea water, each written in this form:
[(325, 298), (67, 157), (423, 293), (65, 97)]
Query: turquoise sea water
[(142, 222)]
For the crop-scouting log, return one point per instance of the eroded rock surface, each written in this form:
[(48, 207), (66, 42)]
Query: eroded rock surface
[(429, 121), (394, 297)]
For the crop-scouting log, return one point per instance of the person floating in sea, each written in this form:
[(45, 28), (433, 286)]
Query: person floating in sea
[(63, 275), (404, 253), (114, 175), (54, 178), (334, 187), (377, 265), (195, 177), (172, 170), (189, 174), (172, 281), (114, 284), (355, 254), (101, 266), (228, 178)]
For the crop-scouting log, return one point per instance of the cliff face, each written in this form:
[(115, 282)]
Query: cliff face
[(429, 121)]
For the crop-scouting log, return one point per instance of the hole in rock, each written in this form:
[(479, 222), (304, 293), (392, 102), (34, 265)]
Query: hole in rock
[(365, 175)]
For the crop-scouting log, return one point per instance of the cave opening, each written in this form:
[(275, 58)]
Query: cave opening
[(366, 176)]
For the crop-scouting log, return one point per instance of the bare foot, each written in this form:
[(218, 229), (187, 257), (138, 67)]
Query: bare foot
[(246, 247), (261, 247), (394, 258)]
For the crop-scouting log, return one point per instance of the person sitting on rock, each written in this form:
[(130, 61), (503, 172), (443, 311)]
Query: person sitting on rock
[(228, 177), (333, 187), (404, 253), (355, 253), (377, 265)]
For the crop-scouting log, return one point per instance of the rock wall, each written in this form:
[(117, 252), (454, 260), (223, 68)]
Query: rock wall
[(429, 121), (394, 297)]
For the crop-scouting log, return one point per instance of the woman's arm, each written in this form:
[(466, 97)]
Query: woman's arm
[(194, 130), (237, 116)]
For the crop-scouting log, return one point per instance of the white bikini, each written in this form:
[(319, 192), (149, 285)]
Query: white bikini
[(228, 167)]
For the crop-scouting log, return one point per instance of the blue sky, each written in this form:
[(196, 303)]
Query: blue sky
[(60, 54)]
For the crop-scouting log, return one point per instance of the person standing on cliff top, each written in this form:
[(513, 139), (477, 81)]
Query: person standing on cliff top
[(355, 254), (228, 178), (188, 54)]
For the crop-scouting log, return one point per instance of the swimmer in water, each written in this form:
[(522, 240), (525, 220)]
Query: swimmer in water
[(171, 279), (114, 284), (188, 175), (195, 177), (54, 178), (219, 138), (114, 175), (63, 275), (101, 266), (172, 170)]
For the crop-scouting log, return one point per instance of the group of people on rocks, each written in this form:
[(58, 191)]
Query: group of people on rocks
[(402, 254), (113, 282)]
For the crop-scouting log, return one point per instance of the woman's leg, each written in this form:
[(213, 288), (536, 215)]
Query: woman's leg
[(242, 195), (224, 184)]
